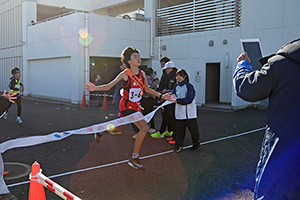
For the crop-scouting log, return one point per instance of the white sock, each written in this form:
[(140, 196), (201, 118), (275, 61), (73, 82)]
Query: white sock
[(135, 155)]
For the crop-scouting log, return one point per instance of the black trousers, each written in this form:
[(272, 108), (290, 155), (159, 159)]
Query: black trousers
[(192, 126), (18, 101), (168, 119), (148, 105)]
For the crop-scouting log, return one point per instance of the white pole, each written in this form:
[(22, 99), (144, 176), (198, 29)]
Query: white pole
[(86, 58)]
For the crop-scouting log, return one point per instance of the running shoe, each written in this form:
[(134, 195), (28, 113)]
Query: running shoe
[(171, 142), (152, 130), (19, 120), (136, 164), (178, 149), (167, 133), (115, 133), (169, 139), (5, 116), (196, 147), (157, 135), (98, 137)]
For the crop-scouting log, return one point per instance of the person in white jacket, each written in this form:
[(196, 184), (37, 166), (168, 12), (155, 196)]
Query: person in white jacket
[(185, 111)]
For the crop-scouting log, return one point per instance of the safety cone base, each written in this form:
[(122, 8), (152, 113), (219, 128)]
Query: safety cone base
[(83, 104), (105, 106)]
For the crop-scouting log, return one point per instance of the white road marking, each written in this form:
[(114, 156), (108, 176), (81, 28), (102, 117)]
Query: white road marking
[(144, 157)]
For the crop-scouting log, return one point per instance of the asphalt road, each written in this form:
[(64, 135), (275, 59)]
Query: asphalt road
[(221, 169)]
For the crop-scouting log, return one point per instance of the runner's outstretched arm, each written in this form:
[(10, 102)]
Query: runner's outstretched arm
[(105, 87)]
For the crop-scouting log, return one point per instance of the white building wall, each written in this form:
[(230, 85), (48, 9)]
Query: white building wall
[(55, 59), (191, 52), (54, 47), (111, 35), (273, 23), (10, 39), (50, 78)]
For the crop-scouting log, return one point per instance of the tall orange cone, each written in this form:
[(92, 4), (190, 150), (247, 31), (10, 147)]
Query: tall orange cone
[(104, 105), (83, 104), (36, 190)]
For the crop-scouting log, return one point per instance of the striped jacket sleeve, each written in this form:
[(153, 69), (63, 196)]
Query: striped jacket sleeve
[(252, 85)]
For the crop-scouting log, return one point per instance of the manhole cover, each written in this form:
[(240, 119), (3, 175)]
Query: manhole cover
[(16, 170)]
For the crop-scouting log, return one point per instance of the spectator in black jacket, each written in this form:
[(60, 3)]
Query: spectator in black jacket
[(149, 101), (278, 172), (163, 78), (168, 125)]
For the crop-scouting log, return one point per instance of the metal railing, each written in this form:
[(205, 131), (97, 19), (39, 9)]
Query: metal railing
[(201, 15)]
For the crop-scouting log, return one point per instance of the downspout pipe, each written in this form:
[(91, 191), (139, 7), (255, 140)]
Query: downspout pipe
[(152, 28), (86, 59)]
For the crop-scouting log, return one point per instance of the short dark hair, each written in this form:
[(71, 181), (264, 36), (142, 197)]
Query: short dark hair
[(183, 73), (126, 54), (143, 67), (165, 59), (149, 71), (14, 70)]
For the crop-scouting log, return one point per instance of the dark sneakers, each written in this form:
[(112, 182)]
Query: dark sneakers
[(196, 147), (136, 164), (178, 149)]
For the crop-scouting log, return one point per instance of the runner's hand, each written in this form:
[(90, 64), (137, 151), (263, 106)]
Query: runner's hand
[(169, 97), (243, 56), (9, 96), (90, 86)]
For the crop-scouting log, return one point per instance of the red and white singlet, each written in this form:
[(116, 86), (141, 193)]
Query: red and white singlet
[(132, 94)]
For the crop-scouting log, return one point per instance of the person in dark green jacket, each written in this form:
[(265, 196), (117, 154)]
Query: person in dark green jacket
[(16, 87)]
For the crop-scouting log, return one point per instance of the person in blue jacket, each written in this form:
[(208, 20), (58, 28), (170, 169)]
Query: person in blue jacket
[(185, 111), (278, 170)]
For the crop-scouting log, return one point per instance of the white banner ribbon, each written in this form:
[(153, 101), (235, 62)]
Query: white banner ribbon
[(56, 136)]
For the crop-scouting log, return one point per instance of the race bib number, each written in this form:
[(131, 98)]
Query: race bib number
[(135, 94)]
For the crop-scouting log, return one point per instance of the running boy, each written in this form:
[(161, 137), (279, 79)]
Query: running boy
[(185, 111), (134, 82), (16, 87)]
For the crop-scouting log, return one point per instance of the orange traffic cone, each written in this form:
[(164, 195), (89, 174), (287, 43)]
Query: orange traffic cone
[(104, 105), (83, 104), (36, 190)]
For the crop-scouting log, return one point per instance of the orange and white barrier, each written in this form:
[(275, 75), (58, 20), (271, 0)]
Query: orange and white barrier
[(51, 185), (100, 95)]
